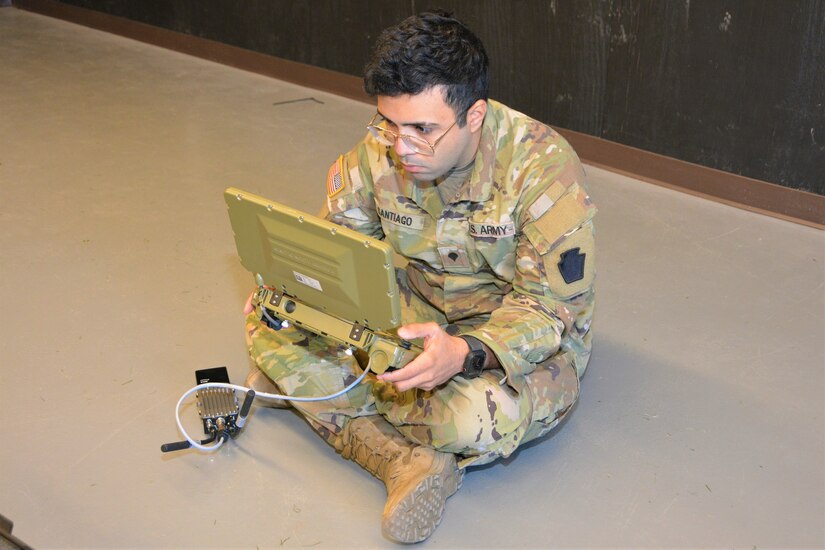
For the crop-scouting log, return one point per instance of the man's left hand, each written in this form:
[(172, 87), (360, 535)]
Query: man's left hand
[(442, 358)]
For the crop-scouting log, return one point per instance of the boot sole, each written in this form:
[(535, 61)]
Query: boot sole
[(417, 515)]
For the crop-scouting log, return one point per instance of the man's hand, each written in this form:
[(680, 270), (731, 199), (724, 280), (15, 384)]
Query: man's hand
[(442, 358), (248, 308)]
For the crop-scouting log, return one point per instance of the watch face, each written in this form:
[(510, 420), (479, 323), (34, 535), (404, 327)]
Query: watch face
[(474, 363)]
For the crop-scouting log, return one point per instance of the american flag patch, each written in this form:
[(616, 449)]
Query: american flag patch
[(335, 178)]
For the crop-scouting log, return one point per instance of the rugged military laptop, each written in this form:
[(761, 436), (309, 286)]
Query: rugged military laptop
[(321, 276)]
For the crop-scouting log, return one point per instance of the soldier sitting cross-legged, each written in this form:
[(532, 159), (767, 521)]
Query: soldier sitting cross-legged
[(490, 209)]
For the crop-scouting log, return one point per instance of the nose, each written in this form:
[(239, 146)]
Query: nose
[(401, 147)]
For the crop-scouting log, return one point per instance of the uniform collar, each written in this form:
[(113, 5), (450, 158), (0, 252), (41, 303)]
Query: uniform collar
[(479, 188)]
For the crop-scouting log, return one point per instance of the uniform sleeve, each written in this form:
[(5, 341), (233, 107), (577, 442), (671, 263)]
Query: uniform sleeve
[(350, 192), (553, 285)]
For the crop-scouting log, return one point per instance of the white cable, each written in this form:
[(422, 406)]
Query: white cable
[(263, 395)]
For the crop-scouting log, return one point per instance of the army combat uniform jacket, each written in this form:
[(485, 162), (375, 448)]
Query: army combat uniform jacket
[(509, 259)]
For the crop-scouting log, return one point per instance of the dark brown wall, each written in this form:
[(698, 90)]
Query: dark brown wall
[(737, 85)]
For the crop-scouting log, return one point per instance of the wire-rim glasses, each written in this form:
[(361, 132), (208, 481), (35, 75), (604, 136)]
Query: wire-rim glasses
[(387, 137)]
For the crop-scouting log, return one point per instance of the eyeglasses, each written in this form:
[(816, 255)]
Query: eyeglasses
[(388, 137)]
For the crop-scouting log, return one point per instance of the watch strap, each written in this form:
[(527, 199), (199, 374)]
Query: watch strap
[(474, 362)]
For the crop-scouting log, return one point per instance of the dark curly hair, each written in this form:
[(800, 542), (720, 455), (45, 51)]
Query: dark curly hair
[(427, 50)]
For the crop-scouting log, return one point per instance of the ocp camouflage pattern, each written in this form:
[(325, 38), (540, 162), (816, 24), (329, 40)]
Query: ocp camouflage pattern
[(494, 261), (489, 257)]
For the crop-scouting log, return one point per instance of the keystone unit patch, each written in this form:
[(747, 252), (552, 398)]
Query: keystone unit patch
[(571, 265)]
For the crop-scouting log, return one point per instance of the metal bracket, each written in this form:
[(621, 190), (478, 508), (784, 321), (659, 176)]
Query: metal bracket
[(275, 299), (356, 332)]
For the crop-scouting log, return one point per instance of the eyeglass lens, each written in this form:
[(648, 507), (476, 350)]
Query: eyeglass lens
[(387, 137)]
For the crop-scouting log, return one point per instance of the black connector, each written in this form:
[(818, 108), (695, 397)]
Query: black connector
[(247, 403), (178, 446)]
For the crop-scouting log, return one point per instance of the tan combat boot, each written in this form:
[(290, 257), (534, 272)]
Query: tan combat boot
[(419, 479), (258, 381)]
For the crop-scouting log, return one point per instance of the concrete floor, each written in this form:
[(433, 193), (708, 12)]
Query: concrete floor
[(700, 422)]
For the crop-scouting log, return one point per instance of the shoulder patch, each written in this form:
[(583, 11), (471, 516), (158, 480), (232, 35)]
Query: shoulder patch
[(569, 212), (570, 268), (335, 177), (546, 200), (571, 265)]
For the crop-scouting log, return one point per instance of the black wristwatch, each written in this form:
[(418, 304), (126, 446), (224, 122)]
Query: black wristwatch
[(474, 362)]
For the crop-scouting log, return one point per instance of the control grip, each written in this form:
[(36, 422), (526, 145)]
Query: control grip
[(389, 354)]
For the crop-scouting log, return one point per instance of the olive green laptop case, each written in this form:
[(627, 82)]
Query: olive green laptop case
[(325, 278), (330, 268)]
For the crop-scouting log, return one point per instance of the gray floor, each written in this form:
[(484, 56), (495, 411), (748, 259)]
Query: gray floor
[(701, 418)]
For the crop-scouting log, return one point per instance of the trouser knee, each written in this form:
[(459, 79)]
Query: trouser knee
[(554, 389), (466, 417)]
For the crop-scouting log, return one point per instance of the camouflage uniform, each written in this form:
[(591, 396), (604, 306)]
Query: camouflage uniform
[(509, 260)]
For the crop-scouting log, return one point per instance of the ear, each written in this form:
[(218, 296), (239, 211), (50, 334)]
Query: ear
[(476, 114)]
